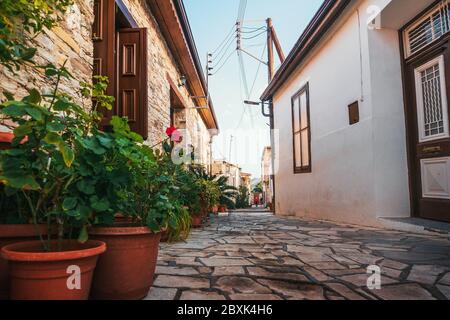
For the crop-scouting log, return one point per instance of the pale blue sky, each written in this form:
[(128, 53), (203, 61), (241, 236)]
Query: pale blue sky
[(211, 22)]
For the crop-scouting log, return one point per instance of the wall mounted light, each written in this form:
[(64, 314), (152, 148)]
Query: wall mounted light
[(182, 82)]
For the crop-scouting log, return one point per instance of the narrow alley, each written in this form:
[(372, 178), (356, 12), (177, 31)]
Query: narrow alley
[(254, 255)]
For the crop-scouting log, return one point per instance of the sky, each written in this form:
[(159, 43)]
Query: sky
[(244, 132)]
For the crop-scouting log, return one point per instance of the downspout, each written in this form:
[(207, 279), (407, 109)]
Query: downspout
[(270, 115), (272, 144)]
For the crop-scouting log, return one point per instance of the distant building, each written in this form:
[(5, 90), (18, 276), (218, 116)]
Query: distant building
[(246, 181), (229, 170), (267, 176)]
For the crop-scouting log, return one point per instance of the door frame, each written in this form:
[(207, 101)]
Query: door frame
[(431, 51)]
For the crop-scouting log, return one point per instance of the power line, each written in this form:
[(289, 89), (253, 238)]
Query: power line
[(224, 41), (254, 30), (225, 53), (242, 10), (243, 74), (255, 36), (256, 45), (224, 63), (244, 108), (256, 78), (259, 68)]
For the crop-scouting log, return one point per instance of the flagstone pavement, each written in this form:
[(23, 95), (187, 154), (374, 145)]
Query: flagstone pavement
[(254, 255)]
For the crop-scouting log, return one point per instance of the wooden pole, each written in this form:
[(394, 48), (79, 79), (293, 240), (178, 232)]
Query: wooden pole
[(278, 45), (270, 49)]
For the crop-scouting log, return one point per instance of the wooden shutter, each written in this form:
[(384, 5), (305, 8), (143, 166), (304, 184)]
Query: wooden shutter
[(132, 78), (103, 35)]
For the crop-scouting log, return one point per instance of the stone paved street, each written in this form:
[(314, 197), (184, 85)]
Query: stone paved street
[(250, 255)]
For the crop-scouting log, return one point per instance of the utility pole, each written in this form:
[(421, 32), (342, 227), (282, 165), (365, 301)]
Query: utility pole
[(270, 59), (272, 39), (207, 69)]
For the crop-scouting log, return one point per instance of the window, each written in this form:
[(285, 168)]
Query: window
[(431, 27), (301, 131), (432, 100)]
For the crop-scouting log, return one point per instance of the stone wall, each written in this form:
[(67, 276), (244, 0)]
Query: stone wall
[(160, 64), (69, 42)]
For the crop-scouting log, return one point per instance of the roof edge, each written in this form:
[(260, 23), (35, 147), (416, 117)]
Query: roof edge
[(325, 17), (181, 10)]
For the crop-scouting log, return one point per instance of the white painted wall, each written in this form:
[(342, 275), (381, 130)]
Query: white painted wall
[(359, 172)]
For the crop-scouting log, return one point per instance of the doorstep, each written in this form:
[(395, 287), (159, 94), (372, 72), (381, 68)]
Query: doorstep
[(417, 225)]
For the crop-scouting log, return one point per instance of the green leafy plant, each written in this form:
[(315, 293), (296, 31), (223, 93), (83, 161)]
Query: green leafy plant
[(228, 193), (209, 189), (50, 148), (258, 188), (242, 199)]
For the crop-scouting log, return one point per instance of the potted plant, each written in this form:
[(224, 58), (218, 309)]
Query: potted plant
[(228, 195), (126, 270), (208, 193), (15, 222), (41, 174)]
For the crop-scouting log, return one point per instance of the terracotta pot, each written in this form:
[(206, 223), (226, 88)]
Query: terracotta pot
[(196, 221), (12, 233), (222, 209), (125, 271), (39, 275)]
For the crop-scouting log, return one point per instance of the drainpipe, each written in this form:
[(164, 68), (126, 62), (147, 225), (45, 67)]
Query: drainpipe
[(272, 144), (210, 155)]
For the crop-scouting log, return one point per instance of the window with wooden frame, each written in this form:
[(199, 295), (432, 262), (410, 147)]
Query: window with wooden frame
[(301, 131), (120, 53)]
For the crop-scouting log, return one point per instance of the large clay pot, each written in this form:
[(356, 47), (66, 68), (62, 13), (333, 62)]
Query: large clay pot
[(39, 275), (197, 220), (125, 271), (12, 233)]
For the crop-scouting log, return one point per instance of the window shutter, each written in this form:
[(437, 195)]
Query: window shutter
[(132, 79), (103, 37)]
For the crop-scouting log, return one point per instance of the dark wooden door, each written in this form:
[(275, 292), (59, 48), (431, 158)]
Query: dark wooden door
[(428, 89), (132, 78), (104, 43)]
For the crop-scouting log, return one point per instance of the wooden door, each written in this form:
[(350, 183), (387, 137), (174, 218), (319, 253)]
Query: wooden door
[(428, 90)]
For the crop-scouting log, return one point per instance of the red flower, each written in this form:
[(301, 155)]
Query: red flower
[(8, 137), (170, 131), (174, 134)]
